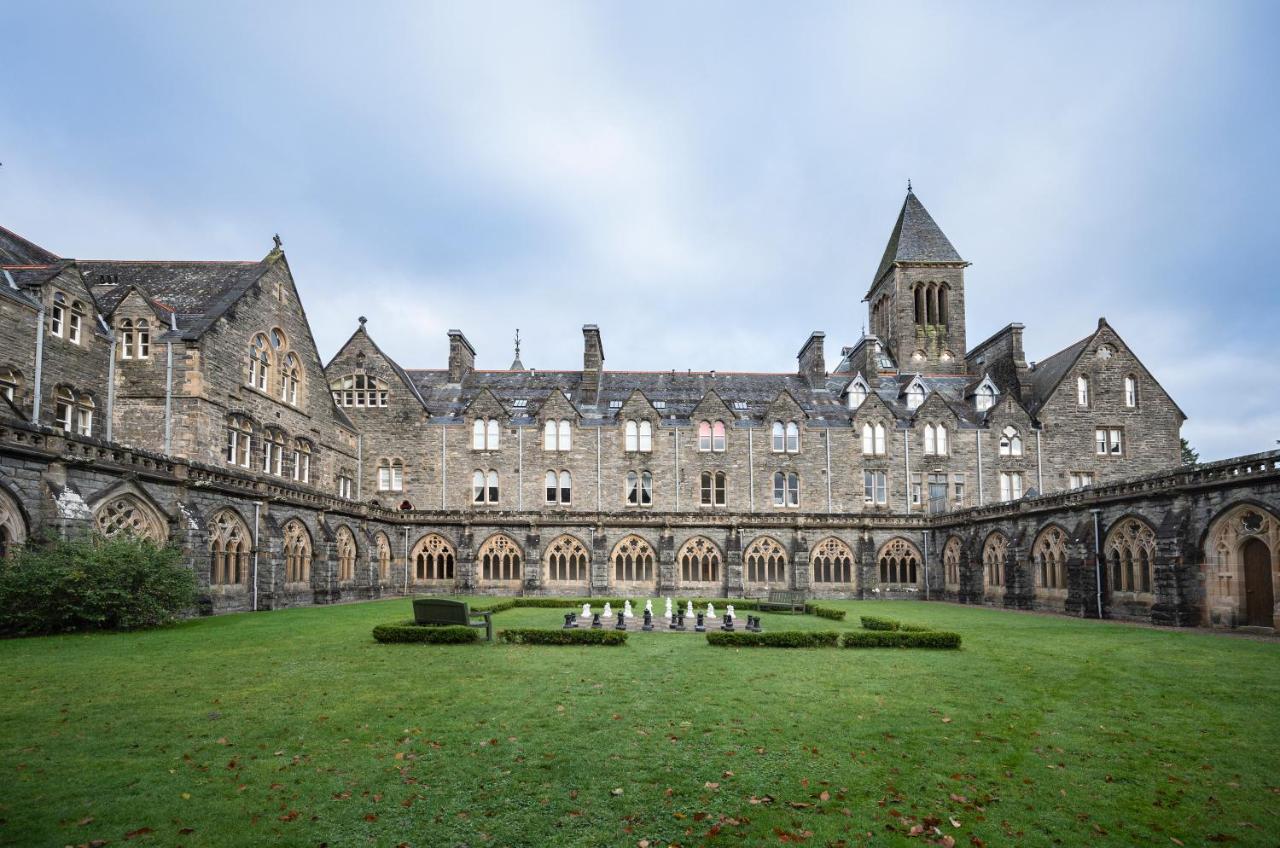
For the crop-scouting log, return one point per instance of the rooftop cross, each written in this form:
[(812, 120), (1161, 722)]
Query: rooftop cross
[(279, 244)]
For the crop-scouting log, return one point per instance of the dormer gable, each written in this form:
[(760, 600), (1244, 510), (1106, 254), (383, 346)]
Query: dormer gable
[(935, 408), (361, 354), (857, 392), (486, 405), (875, 409), (984, 394), (712, 408), (557, 406), (915, 392), (785, 407)]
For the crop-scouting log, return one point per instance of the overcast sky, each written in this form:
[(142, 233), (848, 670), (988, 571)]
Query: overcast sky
[(707, 182)]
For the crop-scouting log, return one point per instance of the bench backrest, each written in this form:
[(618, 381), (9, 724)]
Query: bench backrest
[(440, 611), (785, 596)]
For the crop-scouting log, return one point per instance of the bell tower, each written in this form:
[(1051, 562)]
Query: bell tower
[(916, 301)]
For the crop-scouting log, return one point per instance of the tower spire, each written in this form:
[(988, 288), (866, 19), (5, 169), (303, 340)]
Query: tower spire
[(516, 364)]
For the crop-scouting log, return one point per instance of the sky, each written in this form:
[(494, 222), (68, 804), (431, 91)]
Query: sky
[(708, 182)]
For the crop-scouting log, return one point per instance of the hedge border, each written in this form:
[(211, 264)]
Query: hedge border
[(774, 639), (407, 632), (546, 636), (935, 639)]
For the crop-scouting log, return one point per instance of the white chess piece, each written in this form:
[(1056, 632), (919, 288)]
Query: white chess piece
[(729, 610), (648, 606), (711, 611), (688, 610), (608, 611), (586, 610), (626, 611)]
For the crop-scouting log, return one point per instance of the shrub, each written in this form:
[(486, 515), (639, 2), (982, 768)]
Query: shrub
[(774, 639), (824, 612), (914, 628), (901, 639), (872, 622), (542, 636), (403, 632), (93, 584)]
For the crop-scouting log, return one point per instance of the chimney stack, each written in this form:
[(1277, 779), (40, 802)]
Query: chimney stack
[(592, 365), (813, 365), (462, 357)]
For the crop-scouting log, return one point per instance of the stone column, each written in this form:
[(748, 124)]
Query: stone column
[(733, 585), (599, 563), (533, 561), (800, 571), (1174, 575), (270, 563), (666, 563), (865, 555), (971, 576), (1019, 586), (465, 578)]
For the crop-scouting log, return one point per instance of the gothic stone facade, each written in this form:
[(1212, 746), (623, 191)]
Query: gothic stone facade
[(912, 468)]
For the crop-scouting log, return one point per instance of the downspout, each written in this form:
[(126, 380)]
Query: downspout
[(406, 560), (751, 465), (826, 438), (906, 453), (1097, 556), (111, 375), (168, 420), (519, 468), (257, 509), (35, 402), (599, 482), (677, 453), (977, 437), (924, 541), (1039, 464), (359, 464), (444, 469)]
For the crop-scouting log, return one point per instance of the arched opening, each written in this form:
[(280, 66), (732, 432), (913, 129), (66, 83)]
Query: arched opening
[(128, 515), (699, 560), (297, 552), (832, 563), (433, 559), (1240, 567), (765, 564), (499, 560), (899, 562), (1259, 591), (951, 562), (634, 561), (566, 561)]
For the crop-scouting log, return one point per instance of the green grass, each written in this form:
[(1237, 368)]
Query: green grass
[(296, 727)]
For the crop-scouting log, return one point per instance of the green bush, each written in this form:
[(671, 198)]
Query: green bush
[(872, 622), (93, 584), (774, 639), (914, 628), (901, 639), (404, 632), (544, 636), (824, 612)]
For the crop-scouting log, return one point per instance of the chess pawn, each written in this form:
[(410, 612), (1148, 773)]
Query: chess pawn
[(626, 611), (648, 619), (608, 610), (586, 610), (595, 622)]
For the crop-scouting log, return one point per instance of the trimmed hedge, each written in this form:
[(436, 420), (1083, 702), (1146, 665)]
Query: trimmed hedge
[(774, 639), (901, 639), (824, 612), (914, 628), (404, 632), (541, 636), (873, 622)]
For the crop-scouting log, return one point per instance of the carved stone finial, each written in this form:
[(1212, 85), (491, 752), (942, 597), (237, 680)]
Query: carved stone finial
[(363, 320), (279, 244)]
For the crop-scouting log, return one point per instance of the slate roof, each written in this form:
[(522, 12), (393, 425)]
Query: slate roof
[(15, 250), (916, 237), (1049, 372), (197, 292)]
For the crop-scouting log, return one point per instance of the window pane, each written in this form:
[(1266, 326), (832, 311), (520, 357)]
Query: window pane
[(646, 436), (549, 436), (632, 442), (565, 436), (717, 432), (477, 431)]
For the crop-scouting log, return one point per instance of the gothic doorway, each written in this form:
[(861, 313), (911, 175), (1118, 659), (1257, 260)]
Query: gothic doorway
[(1259, 597)]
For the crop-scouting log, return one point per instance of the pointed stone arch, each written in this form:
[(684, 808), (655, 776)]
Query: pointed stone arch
[(230, 544), (567, 560), (127, 514), (13, 525), (1130, 552), (634, 561), (900, 562), (1049, 560), (1242, 566), (765, 563), (382, 555), (297, 550), (434, 560), (700, 561), (951, 553), (346, 550), (499, 560), (994, 551), (832, 562)]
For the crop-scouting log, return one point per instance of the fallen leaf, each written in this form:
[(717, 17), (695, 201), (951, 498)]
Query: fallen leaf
[(710, 785), (86, 820), (824, 795), (134, 834), (616, 792)]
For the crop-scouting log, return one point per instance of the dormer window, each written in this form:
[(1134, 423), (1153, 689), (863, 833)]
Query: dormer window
[(557, 436), (857, 392), (360, 390), (915, 395), (638, 436)]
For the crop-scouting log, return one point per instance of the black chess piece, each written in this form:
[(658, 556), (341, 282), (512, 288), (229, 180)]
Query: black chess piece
[(679, 625), (648, 620), (728, 622), (568, 620), (699, 626), (595, 622), (622, 622)]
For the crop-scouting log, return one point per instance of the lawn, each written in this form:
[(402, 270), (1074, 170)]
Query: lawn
[(295, 727)]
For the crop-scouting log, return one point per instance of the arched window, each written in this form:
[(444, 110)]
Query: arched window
[(1010, 442), (646, 436), (302, 461), (633, 561), (779, 437), (499, 559), (383, 547), (951, 561), (359, 390), (1082, 390), (944, 307), (994, 552), (786, 489), (1049, 555), (58, 314), (1130, 391), (125, 332), (899, 561), (239, 440), (557, 435), (484, 486), (639, 490), (765, 562), (984, 398), (84, 414), (712, 491), (873, 439), (297, 552), (76, 322), (11, 384), (921, 310), (639, 436), (711, 436), (915, 396), (390, 475), (259, 362), (229, 546), (278, 339), (13, 529), (704, 436), (290, 378), (142, 340), (273, 452), (485, 434), (127, 515), (935, 440), (717, 437), (559, 487), (793, 437), (632, 437), (346, 555), (433, 558), (832, 562), (1131, 551), (64, 407), (857, 393), (699, 560), (567, 560)]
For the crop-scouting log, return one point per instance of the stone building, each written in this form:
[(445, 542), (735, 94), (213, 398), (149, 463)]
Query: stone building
[(192, 406)]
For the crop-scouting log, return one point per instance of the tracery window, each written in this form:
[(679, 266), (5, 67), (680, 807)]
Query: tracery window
[(994, 552), (765, 561), (485, 434), (638, 436), (297, 552), (390, 475), (302, 461), (951, 561), (567, 560), (557, 435), (484, 486), (1049, 555), (873, 441), (832, 562), (290, 378), (126, 515), (13, 529), (786, 489), (259, 362), (559, 487), (359, 390), (239, 440), (1131, 552), (786, 437), (935, 440), (639, 490), (346, 554), (899, 561), (633, 560), (383, 547), (1010, 442), (229, 547), (273, 452), (712, 491), (699, 560), (433, 558), (499, 558)]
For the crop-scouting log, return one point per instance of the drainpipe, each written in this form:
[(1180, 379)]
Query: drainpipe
[(826, 438), (519, 468), (35, 402), (168, 419), (599, 482), (1039, 464), (924, 541), (257, 509), (111, 375), (906, 453), (1097, 555), (677, 452), (406, 560), (977, 437), (359, 464), (751, 465), (444, 469)]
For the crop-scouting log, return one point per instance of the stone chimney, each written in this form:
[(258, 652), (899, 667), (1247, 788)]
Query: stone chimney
[(462, 357), (592, 365), (813, 366)]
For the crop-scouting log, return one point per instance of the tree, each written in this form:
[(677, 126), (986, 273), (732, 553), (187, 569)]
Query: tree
[(1190, 456)]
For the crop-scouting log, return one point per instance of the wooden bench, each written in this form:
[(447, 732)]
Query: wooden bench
[(783, 599), (440, 612)]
